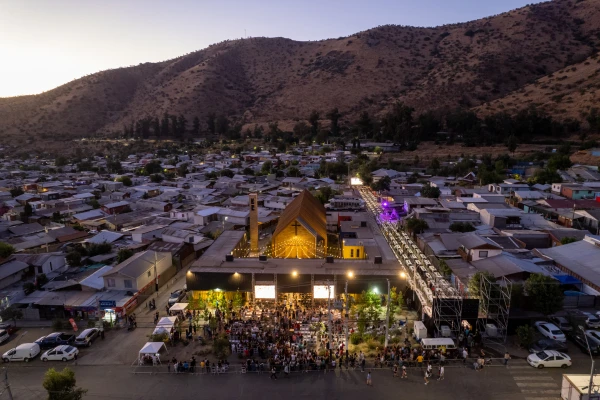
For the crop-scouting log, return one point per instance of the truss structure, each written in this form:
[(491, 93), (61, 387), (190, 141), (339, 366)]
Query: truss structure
[(494, 306)]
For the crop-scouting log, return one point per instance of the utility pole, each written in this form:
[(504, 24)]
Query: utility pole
[(387, 317), (589, 388), (346, 317), (155, 273), (330, 328)]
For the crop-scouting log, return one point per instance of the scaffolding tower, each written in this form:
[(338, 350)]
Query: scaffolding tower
[(446, 309), (494, 306)]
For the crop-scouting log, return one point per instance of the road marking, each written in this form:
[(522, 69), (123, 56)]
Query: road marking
[(533, 378), (537, 384)]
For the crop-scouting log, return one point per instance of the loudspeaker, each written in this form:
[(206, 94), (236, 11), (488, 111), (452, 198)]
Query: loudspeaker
[(330, 260), (378, 260), (262, 258), (228, 257)]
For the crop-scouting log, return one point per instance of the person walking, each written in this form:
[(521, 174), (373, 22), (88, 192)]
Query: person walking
[(465, 354), (286, 370), (273, 373), (404, 374), (395, 370), (441, 372), (425, 377), (369, 381), (506, 358)]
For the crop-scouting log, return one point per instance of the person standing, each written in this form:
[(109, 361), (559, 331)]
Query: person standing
[(404, 374), (273, 373), (369, 381), (395, 370), (425, 377), (441, 372), (506, 358), (465, 354), (169, 366)]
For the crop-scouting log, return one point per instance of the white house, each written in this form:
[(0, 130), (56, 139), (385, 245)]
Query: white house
[(138, 272)]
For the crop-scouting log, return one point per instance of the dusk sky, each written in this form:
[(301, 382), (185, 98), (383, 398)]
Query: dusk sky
[(44, 43)]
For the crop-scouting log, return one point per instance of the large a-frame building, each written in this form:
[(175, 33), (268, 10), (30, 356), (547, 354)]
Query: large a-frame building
[(302, 229)]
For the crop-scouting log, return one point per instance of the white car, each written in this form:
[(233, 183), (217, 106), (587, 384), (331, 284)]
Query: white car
[(60, 353), (592, 321), (4, 336), (550, 359), (550, 331)]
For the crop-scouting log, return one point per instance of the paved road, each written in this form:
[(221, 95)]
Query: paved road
[(518, 382)]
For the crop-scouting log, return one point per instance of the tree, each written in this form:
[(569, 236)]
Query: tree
[(396, 302), (153, 167), (95, 204), (41, 280), (511, 143), (27, 210), (164, 125), (60, 161), (313, 120), (430, 192), (474, 285), (364, 125), (124, 254), (559, 161), (334, 115), (11, 313), (16, 192), (61, 385), (545, 293), (266, 167), (181, 126), (416, 225), (461, 227), (156, 178), (221, 124), (567, 240), (196, 126), (293, 171), (182, 170), (211, 122), (525, 333), (435, 165), (382, 184), (6, 250), (125, 180), (73, 259)]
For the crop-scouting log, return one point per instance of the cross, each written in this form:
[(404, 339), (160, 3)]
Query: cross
[(296, 225)]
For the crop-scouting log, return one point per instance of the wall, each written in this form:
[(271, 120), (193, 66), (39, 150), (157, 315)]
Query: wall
[(288, 244), (474, 253), (351, 252)]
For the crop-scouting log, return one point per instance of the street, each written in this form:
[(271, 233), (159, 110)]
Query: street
[(517, 381)]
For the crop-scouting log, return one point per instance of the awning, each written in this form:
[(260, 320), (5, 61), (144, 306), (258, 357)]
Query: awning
[(152, 348), (567, 280), (178, 307), (164, 325)]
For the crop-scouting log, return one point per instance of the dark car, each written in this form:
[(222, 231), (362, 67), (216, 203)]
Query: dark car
[(176, 296), (548, 344), (55, 339), (562, 323), (579, 339)]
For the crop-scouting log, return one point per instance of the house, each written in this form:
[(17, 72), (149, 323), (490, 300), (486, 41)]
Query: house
[(116, 208), (140, 272), (147, 232), (154, 205), (577, 192), (12, 271), (411, 203), (43, 263), (474, 247)]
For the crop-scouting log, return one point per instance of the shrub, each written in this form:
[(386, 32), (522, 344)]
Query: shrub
[(58, 324), (356, 338)]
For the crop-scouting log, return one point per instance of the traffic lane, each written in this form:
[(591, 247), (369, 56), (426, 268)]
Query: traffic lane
[(117, 382)]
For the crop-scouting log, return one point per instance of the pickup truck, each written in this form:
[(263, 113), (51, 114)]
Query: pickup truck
[(55, 339)]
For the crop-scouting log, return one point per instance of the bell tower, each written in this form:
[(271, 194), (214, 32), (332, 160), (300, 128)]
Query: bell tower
[(253, 199)]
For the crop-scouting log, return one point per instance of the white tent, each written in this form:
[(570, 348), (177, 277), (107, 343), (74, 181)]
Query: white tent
[(152, 348), (164, 325), (178, 307)]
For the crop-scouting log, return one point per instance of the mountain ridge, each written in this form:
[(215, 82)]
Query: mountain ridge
[(260, 80)]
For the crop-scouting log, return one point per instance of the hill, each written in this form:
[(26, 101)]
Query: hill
[(275, 79)]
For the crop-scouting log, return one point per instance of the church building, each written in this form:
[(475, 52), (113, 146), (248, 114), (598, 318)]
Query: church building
[(302, 229)]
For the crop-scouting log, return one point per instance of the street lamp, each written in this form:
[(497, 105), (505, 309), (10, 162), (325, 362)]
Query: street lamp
[(7, 386), (591, 358)]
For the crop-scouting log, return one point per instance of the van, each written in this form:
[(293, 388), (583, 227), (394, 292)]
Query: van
[(23, 352), (420, 331), (437, 344)]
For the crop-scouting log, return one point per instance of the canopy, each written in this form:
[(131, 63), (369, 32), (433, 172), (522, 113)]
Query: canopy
[(178, 307), (164, 325), (152, 348)]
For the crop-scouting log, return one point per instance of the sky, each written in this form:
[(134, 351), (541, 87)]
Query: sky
[(46, 43)]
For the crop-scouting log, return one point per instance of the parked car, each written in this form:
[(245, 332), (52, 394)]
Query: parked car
[(550, 331), (580, 340), (592, 321), (548, 344), (8, 327), (4, 336), (55, 339), (176, 296), (23, 352), (549, 358), (60, 353), (562, 323), (86, 337)]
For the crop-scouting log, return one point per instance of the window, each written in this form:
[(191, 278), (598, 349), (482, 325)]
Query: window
[(351, 253), (128, 284), (149, 273), (40, 270), (110, 282), (483, 254), (357, 253)]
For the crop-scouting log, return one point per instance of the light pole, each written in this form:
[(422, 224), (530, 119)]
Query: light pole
[(329, 328), (387, 317), (591, 358), (347, 315)]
